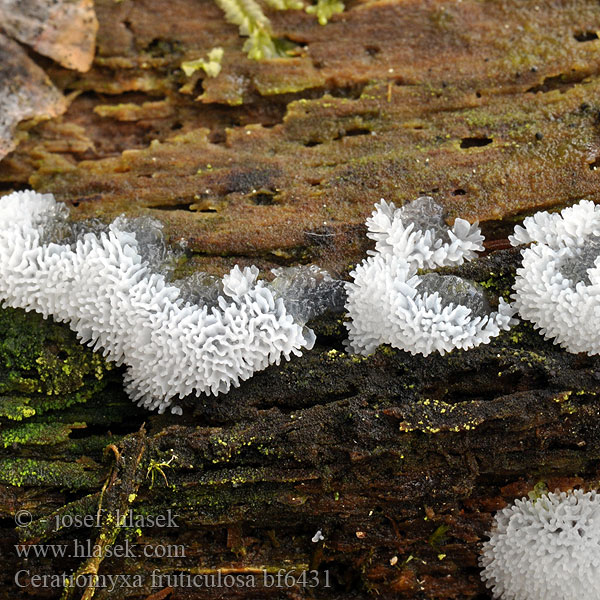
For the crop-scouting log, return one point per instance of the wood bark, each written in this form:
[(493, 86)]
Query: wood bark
[(399, 461)]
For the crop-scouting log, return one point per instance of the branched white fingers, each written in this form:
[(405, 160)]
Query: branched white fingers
[(387, 301), (104, 288), (417, 232), (568, 228), (545, 549), (557, 287)]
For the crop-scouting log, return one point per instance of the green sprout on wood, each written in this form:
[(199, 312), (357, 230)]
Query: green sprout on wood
[(325, 9), (285, 4), (157, 467), (252, 22), (540, 490)]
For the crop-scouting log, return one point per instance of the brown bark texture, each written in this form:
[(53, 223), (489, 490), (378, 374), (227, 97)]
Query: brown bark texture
[(375, 477)]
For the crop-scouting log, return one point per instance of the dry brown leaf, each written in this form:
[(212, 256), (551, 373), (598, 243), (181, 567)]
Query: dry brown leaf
[(25, 92), (64, 30)]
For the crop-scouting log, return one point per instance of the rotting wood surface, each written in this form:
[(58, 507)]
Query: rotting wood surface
[(400, 461)]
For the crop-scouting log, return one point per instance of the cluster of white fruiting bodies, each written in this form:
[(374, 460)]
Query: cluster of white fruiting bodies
[(389, 303), (557, 287), (558, 284), (545, 549), (107, 293), (176, 340)]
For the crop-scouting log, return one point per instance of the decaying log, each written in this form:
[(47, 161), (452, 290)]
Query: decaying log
[(381, 474)]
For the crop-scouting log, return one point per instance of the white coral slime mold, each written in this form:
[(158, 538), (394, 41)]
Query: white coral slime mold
[(389, 304), (557, 287), (558, 230), (417, 232), (419, 314), (545, 549), (377, 281), (106, 292)]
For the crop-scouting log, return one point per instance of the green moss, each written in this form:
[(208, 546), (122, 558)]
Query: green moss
[(325, 9), (47, 526), (29, 472), (43, 362), (540, 489), (329, 325), (93, 445), (438, 537), (38, 434), (213, 502), (223, 448), (433, 416), (499, 283), (212, 66), (16, 409), (253, 23)]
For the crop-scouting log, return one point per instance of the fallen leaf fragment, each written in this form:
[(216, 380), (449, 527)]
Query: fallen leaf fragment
[(25, 92), (64, 30)]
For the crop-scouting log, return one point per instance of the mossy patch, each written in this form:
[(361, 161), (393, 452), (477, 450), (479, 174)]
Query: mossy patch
[(16, 409), (29, 472), (43, 366), (37, 434)]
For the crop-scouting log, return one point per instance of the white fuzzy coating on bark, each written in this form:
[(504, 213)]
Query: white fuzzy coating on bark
[(384, 301), (105, 291), (548, 289), (545, 549), (424, 247)]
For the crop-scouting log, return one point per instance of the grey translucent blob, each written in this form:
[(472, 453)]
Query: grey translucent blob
[(308, 291), (425, 213), (152, 245), (200, 288), (576, 267), (60, 231), (455, 290)]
